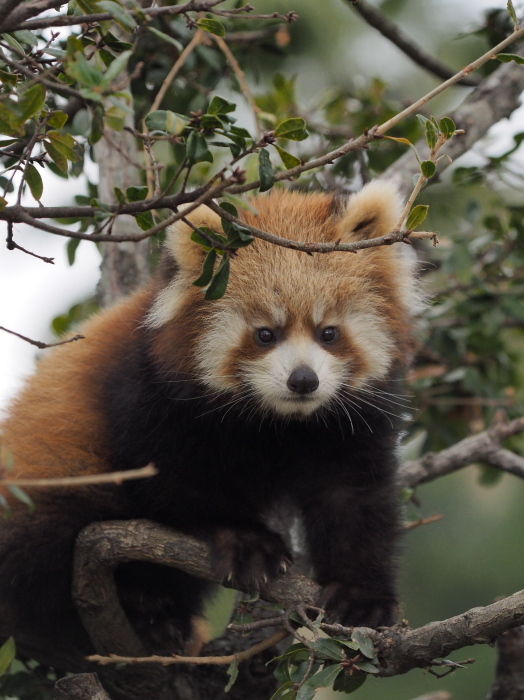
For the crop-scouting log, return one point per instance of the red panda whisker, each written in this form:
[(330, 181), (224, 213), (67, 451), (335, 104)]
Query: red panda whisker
[(379, 398)]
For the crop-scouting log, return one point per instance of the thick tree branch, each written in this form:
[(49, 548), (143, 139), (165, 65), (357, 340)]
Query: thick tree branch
[(484, 447), (102, 546), (391, 31), (82, 686), (401, 650)]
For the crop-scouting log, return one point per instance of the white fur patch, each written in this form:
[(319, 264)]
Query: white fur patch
[(369, 332), (167, 304), (223, 333)]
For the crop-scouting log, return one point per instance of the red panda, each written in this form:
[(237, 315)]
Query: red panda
[(284, 388)]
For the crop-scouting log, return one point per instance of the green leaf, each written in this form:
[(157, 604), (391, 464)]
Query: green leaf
[(115, 118), (218, 285), (427, 168), (83, 71), (417, 216), (56, 156), (21, 496), (64, 143), (113, 43), (294, 129), (197, 150), (13, 43), (7, 654), (119, 14), (364, 641), (347, 683), (289, 160), (57, 119), (232, 672), (283, 689), (8, 78), (145, 220), (447, 127), (367, 667), (72, 245), (136, 194), (512, 13), (207, 269), (212, 26), (508, 57), (347, 643), (203, 236), (230, 209), (3, 203), (117, 66), (34, 180), (219, 105), (26, 37), (306, 692), (166, 37), (265, 171), (431, 134), (324, 678), (328, 649), (165, 120), (31, 101)]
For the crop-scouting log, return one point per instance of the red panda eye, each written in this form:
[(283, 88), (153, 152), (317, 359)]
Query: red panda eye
[(264, 336), (329, 334)]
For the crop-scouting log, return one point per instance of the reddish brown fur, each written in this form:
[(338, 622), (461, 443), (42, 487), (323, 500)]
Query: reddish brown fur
[(53, 427)]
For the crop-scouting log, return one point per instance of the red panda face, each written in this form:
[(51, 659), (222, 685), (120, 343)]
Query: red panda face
[(295, 334), (293, 365)]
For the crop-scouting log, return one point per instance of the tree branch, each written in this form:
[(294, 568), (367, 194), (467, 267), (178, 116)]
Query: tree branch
[(101, 546), (483, 447), (401, 650), (391, 31), (17, 20), (81, 686), (494, 99)]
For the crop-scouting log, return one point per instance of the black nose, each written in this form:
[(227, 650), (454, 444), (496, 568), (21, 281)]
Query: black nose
[(303, 380)]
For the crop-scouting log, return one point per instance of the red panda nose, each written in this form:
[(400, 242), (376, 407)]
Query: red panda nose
[(303, 380)]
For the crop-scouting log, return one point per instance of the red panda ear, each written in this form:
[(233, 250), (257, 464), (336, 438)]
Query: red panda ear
[(372, 212), (187, 254)]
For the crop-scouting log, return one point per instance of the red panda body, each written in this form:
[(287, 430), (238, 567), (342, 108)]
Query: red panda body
[(284, 389)]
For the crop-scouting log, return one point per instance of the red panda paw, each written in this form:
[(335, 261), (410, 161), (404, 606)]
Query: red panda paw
[(353, 606), (248, 558)]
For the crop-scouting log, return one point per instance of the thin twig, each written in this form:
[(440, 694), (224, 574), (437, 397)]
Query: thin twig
[(38, 343), (109, 478), (421, 521), (196, 660), (241, 80), (199, 38)]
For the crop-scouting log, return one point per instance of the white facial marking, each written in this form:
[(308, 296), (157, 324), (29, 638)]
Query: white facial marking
[(269, 375), (167, 304), (369, 332)]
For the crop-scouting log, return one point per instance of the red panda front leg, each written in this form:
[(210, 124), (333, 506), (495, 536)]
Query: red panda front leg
[(351, 534), (248, 556)]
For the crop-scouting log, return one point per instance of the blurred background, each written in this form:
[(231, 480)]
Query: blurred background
[(341, 75)]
